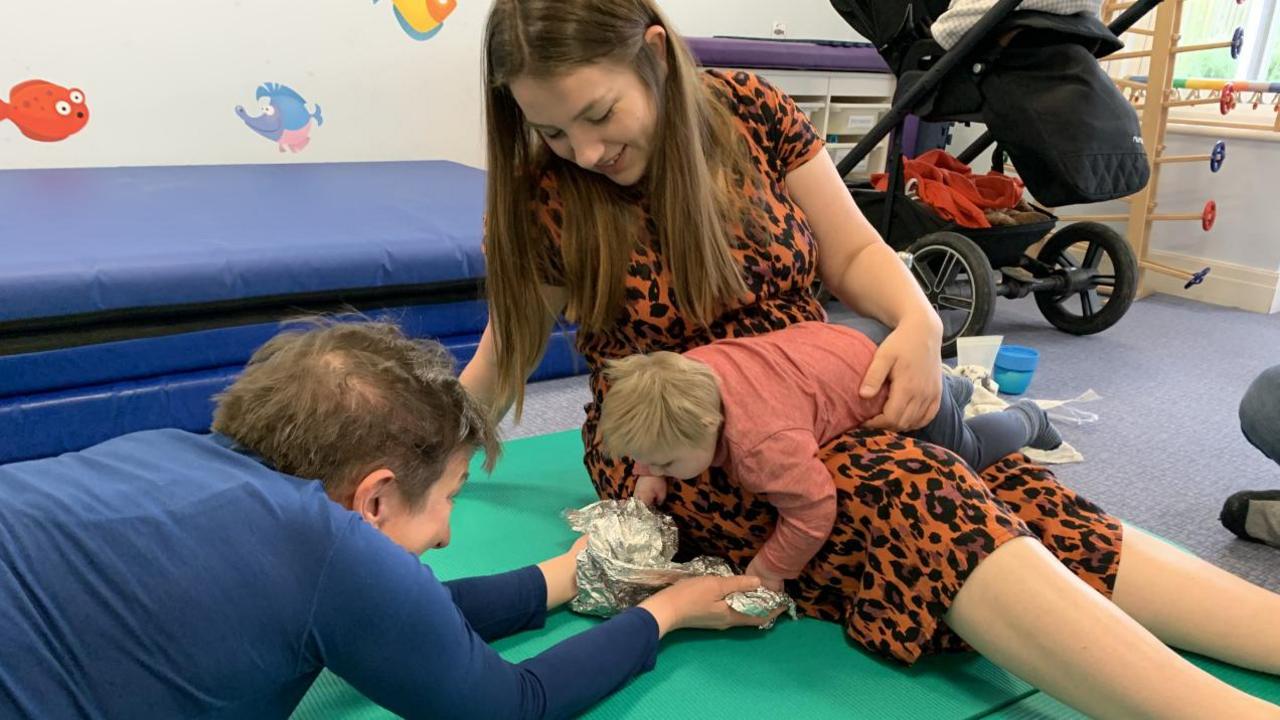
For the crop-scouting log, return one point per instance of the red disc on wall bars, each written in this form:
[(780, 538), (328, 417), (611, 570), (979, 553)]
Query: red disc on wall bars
[(1209, 216)]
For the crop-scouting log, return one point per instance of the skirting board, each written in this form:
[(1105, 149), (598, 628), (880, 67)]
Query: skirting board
[(1228, 284)]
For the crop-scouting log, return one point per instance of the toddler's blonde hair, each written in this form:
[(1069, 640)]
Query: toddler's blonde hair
[(658, 402)]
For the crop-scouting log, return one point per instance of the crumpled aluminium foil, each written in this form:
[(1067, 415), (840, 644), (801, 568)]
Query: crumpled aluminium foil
[(629, 557)]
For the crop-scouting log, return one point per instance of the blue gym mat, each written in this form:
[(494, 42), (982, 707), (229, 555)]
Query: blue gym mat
[(91, 240), (128, 296)]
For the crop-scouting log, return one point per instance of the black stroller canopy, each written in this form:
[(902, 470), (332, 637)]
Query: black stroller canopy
[(1029, 75), (891, 25), (882, 21)]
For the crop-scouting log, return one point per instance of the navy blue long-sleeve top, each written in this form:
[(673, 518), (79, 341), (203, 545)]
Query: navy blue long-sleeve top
[(165, 574)]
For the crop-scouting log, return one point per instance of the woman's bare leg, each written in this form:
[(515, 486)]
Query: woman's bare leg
[(1026, 612), (1193, 605)]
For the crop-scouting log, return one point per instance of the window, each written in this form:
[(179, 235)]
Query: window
[(1209, 21), (1270, 63)]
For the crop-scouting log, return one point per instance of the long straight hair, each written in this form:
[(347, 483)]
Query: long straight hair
[(697, 153)]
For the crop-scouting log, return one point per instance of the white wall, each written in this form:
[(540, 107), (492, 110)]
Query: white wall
[(162, 77), (1245, 190)]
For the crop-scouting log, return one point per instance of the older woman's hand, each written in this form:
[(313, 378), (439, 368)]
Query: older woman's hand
[(699, 602), (909, 360), (561, 574)]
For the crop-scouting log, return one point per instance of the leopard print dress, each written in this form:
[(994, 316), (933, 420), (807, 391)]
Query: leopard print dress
[(913, 519)]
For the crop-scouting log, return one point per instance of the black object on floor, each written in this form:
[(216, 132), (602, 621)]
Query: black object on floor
[(1236, 510)]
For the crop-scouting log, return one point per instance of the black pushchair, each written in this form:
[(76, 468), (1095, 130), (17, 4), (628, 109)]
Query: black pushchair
[(1034, 80)]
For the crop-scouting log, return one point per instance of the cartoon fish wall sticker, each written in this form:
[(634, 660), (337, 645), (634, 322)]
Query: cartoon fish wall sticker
[(44, 111), (283, 117), (422, 19)]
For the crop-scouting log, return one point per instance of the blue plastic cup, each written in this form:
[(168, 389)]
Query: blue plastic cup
[(1015, 365)]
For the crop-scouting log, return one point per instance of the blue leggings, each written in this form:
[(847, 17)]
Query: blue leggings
[(981, 440)]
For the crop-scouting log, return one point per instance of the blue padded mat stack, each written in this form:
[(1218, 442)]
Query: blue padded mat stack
[(129, 296)]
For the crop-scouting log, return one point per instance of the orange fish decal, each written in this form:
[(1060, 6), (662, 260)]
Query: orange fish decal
[(44, 111)]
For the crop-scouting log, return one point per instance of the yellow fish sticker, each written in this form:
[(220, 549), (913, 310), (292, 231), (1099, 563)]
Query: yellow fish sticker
[(422, 19)]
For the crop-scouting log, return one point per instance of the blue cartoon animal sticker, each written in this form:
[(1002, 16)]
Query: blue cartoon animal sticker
[(283, 117)]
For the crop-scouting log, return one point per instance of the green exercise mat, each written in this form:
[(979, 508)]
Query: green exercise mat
[(802, 668), (1042, 707)]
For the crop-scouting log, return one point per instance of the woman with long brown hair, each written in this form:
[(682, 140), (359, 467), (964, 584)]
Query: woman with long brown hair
[(660, 208)]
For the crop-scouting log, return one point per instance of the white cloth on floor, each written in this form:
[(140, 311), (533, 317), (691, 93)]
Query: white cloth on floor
[(985, 400), (964, 14)]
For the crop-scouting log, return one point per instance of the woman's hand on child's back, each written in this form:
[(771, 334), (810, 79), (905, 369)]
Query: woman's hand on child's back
[(909, 359)]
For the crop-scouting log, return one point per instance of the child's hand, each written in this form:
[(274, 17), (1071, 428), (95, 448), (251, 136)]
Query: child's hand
[(651, 490), (767, 579)]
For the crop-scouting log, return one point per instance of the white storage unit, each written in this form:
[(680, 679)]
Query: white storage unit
[(844, 106)]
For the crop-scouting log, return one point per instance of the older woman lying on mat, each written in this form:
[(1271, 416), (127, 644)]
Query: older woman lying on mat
[(171, 575)]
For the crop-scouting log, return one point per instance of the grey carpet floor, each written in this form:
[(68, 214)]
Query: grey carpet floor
[(1166, 449)]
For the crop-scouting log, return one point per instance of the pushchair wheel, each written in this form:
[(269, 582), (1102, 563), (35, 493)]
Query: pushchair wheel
[(1090, 257), (957, 278)]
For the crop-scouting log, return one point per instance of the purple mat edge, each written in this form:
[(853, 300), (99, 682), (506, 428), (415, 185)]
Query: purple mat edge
[(775, 55)]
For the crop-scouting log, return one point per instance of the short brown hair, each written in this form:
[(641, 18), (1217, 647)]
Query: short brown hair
[(658, 402), (335, 400)]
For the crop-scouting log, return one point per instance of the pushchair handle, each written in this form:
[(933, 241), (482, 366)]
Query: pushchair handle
[(1133, 14), (903, 106)]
